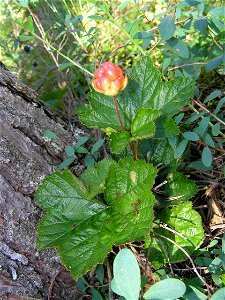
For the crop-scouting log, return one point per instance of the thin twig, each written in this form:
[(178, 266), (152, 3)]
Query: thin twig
[(186, 65), (186, 253), (217, 149), (209, 112), (111, 296), (52, 283), (153, 47)]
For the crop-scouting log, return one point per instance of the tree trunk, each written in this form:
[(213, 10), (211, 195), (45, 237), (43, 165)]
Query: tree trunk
[(26, 157)]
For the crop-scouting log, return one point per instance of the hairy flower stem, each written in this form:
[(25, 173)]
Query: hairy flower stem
[(123, 128), (118, 113)]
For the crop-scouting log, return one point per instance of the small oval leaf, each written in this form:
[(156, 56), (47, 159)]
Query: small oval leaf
[(191, 136), (167, 27), (219, 295), (169, 289), (206, 157), (127, 278)]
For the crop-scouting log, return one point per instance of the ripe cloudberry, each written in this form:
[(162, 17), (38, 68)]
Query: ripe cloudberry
[(109, 79)]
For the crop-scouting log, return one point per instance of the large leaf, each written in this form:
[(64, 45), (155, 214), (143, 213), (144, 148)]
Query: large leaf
[(179, 188), (188, 225), (94, 178), (119, 141), (145, 90), (127, 277), (143, 125), (83, 229)]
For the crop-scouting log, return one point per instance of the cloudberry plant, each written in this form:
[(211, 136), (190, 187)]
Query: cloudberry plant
[(109, 79)]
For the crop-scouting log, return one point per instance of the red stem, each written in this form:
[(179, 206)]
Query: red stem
[(118, 113), (122, 126)]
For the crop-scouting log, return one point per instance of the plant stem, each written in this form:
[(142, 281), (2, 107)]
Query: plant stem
[(118, 113), (115, 22), (61, 54), (210, 123), (122, 127)]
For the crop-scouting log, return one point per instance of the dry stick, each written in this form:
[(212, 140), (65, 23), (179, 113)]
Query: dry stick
[(111, 297), (215, 42), (197, 112), (185, 252), (186, 65), (166, 254), (52, 283), (217, 149), (210, 113)]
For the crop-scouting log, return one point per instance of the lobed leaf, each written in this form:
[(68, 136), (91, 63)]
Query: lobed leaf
[(83, 229), (188, 225)]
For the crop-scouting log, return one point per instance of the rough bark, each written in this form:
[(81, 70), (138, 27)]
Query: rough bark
[(26, 157)]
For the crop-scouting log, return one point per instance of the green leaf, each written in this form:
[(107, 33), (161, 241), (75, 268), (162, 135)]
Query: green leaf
[(145, 90), (119, 141), (212, 96), (166, 63), (64, 66), (180, 148), (94, 178), (23, 3), (128, 181), (25, 38), (219, 294), (96, 18), (202, 127), (184, 220), (179, 47), (100, 274), (191, 136), (198, 165), (157, 150), (49, 134), (131, 27), (89, 161), (69, 150), (170, 128), (95, 294), (81, 150), (218, 11), (84, 230), (66, 163), (209, 141), (167, 27), (193, 294), (169, 289), (97, 146), (206, 157), (201, 24), (127, 277), (213, 64), (81, 141), (179, 188), (215, 265), (29, 25), (102, 113), (143, 125)]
